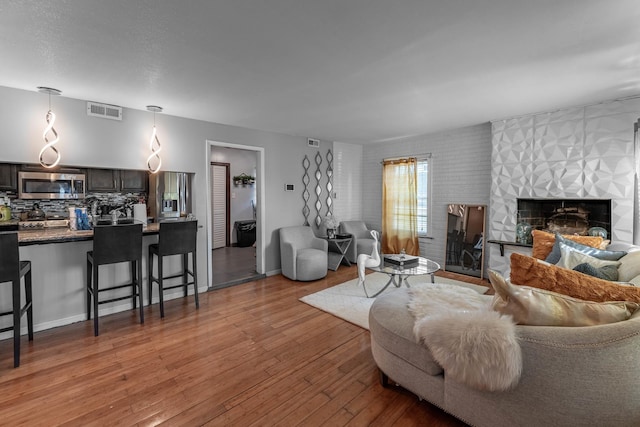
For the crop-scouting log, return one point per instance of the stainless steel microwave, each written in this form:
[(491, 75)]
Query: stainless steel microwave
[(45, 185)]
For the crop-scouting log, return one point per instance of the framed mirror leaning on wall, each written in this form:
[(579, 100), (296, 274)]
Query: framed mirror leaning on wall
[(465, 239)]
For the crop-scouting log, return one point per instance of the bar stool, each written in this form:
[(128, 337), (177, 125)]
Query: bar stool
[(13, 270), (114, 244), (175, 238)]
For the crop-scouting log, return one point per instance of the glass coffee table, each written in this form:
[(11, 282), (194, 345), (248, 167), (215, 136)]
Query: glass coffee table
[(398, 274)]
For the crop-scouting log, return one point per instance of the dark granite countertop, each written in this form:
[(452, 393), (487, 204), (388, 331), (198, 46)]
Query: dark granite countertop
[(63, 235)]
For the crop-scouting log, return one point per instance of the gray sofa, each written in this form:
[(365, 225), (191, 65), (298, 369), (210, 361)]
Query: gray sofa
[(572, 376)]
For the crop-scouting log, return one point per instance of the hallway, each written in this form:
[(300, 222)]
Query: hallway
[(233, 265)]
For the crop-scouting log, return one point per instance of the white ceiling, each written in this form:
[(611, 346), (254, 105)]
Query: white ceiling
[(340, 70)]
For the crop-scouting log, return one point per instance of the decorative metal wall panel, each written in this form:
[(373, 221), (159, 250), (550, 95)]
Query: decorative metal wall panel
[(305, 189), (318, 159), (584, 152), (329, 183)]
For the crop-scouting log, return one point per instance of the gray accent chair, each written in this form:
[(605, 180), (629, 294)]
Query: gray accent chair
[(303, 256), (361, 240)]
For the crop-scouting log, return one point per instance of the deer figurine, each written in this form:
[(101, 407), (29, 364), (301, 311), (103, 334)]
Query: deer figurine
[(372, 260)]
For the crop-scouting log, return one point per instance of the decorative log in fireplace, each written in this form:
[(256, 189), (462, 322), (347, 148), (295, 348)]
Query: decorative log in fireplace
[(566, 216)]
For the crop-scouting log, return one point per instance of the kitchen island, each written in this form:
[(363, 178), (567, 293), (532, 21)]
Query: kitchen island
[(59, 264)]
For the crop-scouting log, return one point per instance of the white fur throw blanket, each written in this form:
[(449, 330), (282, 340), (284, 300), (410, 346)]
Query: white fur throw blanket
[(474, 345)]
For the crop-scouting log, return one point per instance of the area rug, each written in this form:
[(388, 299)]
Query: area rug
[(348, 301)]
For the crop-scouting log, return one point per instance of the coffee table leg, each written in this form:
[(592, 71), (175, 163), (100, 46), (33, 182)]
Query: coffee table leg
[(392, 279)]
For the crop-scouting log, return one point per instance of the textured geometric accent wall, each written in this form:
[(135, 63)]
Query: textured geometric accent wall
[(583, 152)]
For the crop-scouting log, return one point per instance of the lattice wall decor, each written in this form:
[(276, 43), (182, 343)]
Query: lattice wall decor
[(329, 183), (305, 190), (318, 159)]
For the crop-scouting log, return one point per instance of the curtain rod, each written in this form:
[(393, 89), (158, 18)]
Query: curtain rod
[(417, 156)]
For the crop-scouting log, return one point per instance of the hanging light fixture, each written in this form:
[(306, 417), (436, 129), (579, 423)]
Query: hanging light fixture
[(154, 143), (49, 130)]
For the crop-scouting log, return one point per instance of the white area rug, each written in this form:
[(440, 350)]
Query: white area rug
[(348, 301)]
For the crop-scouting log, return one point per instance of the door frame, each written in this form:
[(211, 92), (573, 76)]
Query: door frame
[(227, 196), (260, 205)]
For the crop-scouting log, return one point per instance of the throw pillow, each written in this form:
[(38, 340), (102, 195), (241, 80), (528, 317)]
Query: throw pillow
[(554, 255), (527, 271), (629, 266), (570, 258), (543, 242), (607, 272), (537, 307)]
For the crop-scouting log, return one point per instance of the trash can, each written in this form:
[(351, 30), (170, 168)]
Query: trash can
[(245, 232)]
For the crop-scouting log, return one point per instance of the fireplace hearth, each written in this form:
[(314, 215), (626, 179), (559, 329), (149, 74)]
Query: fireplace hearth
[(566, 216)]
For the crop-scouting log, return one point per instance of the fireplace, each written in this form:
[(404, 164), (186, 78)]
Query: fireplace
[(564, 216)]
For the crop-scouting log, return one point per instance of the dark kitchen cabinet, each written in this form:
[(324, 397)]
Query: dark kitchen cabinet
[(115, 181), (134, 181), (103, 180), (8, 177)]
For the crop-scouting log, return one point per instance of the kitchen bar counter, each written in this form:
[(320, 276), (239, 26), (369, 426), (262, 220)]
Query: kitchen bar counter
[(63, 235)]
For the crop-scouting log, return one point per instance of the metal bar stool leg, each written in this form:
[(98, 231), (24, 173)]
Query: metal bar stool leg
[(29, 301), (195, 278), (160, 285), (150, 274), (15, 284), (139, 288), (185, 273), (95, 299), (89, 293)]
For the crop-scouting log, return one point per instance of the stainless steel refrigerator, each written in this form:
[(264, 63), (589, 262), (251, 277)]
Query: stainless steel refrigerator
[(170, 195)]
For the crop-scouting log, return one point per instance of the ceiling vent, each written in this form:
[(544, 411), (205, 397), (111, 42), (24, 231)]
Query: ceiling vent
[(104, 111), (313, 142)]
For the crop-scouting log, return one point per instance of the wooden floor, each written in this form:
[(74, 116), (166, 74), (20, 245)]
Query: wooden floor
[(232, 265), (251, 355)]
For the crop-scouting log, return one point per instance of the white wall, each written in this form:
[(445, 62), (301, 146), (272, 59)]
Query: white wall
[(461, 173), (347, 181), (580, 152)]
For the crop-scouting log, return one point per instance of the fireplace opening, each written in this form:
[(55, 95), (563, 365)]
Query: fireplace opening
[(564, 216)]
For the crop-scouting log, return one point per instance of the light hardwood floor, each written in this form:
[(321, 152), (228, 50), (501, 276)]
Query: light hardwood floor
[(251, 355)]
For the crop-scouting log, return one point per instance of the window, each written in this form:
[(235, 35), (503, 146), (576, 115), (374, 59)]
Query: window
[(422, 217)]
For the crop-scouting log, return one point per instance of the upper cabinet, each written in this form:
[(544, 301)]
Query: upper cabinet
[(134, 181), (114, 181), (8, 177), (103, 180)]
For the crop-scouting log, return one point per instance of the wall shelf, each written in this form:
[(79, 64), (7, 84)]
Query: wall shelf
[(504, 243)]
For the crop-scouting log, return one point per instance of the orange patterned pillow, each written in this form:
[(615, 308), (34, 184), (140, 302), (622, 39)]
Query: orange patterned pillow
[(543, 242), (527, 271)]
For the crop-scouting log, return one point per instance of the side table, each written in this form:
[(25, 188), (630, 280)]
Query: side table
[(337, 250)]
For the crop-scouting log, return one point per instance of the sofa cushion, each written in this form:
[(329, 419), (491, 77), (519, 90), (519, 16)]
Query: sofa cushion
[(554, 255), (392, 325), (607, 272), (629, 266), (570, 258), (527, 271), (543, 242), (538, 307)]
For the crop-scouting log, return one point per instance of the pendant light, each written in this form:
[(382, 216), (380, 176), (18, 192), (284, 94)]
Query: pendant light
[(49, 130), (154, 143)]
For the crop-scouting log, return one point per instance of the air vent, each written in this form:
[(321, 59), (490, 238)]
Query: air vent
[(105, 111), (313, 142)]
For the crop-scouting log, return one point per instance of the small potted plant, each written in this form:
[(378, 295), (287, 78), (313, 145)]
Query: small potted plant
[(244, 179)]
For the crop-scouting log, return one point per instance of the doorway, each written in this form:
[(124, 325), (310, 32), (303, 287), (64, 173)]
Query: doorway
[(234, 259)]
